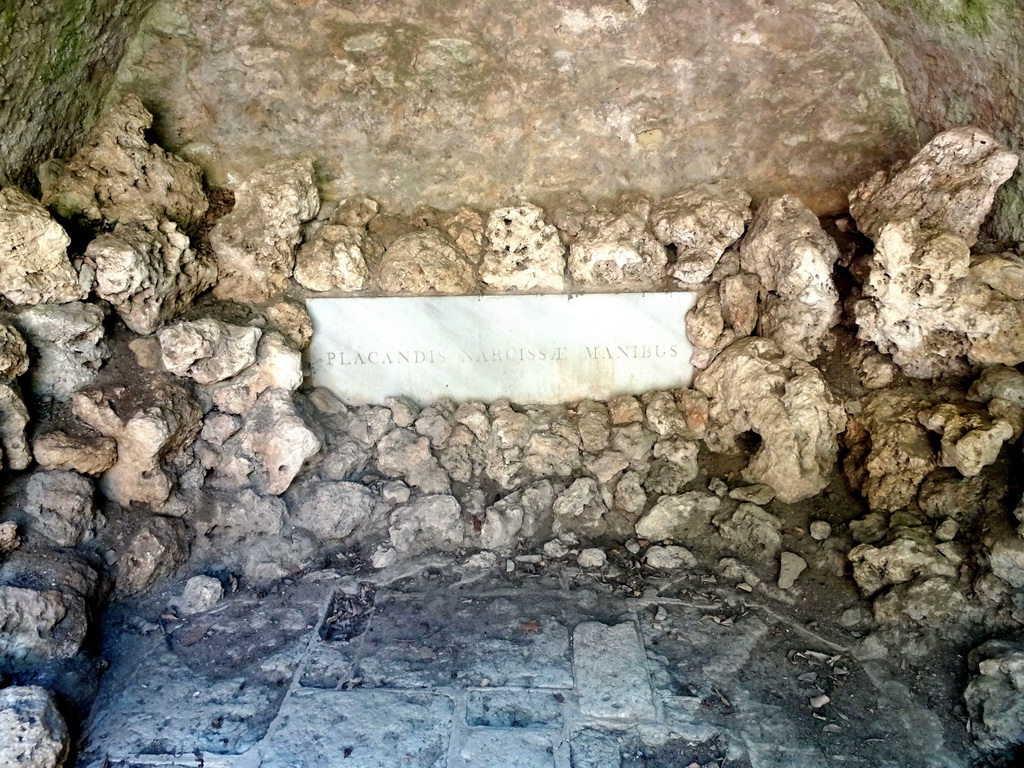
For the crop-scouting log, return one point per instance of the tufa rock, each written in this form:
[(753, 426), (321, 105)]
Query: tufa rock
[(525, 253), (332, 511), (910, 555), (947, 187), (39, 625), (120, 177), (32, 732), (701, 223), (201, 593), (670, 558), (152, 422), (995, 695), (152, 552), (793, 257), (91, 454), (427, 523), (255, 242), (68, 346), (335, 259), (790, 568), (971, 439), (425, 262), (591, 558), (403, 454), (208, 350), (617, 252), (684, 517), (581, 509), (34, 266), (754, 386), (278, 366), (148, 272), (14, 419), (13, 353), (59, 505)]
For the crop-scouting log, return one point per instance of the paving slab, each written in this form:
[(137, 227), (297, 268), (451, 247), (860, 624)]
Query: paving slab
[(360, 729), (503, 748), (611, 675), (515, 709)]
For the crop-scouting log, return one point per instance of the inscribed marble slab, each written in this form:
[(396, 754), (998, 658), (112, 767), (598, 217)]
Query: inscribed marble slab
[(527, 349)]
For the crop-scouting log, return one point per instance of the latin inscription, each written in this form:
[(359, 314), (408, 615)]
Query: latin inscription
[(528, 349)]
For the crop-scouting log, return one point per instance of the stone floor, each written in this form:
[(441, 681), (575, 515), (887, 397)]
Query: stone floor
[(478, 668)]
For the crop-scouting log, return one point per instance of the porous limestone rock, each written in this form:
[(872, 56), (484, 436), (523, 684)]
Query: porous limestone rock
[(971, 438), (591, 557), (754, 386), (793, 257), (332, 510), (427, 523), (32, 732), (119, 177), (502, 522), (68, 345), (670, 558), (999, 382), (581, 509), (278, 366), (88, 454), (255, 242), (151, 422), (14, 419), (995, 694), (201, 593), (890, 451), (290, 319), (525, 253), (148, 272), (13, 353), (208, 350), (422, 262), (947, 187), (271, 447), (1003, 273), (466, 229), (754, 529), (701, 223), (683, 518), (34, 265), (935, 602), (226, 523), (59, 505), (40, 625), (738, 295), (9, 538), (912, 554), (404, 454), (152, 552), (617, 252), (336, 259)]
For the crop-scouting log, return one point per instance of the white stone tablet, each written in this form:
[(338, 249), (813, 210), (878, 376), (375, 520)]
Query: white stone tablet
[(526, 349)]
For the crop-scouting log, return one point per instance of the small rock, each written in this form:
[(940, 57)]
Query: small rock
[(425, 261), (632, 546), (555, 550), (790, 568), (9, 539), (820, 530), (820, 701), (201, 593), (947, 530), (384, 556), (754, 494), (525, 253), (669, 558), (482, 561), (592, 558)]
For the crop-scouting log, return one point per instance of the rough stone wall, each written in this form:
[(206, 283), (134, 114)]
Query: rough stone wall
[(466, 102), (962, 63), (57, 62)]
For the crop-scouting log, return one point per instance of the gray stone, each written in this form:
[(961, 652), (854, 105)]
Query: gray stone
[(148, 272), (500, 748), (994, 695), (402, 454), (905, 558), (68, 346), (790, 567), (701, 223), (255, 242), (34, 265), (525, 253), (208, 350), (32, 732), (332, 511), (425, 262), (971, 440), (581, 509), (278, 366), (88, 454), (820, 530), (118, 176), (611, 676), (427, 523), (670, 558), (793, 257), (591, 558), (678, 517), (201, 593), (754, 529), (59, 506), (152, 552), (948, 186), (14, 420), (40, 625), (754, 494)]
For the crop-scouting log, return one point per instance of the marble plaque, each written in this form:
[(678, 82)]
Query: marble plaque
[(527, 349)]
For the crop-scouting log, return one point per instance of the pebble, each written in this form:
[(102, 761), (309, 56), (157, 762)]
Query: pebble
[(718, 487), (790, 568), (661, 614), (529, 559), (592, 558), (670, 558), (384, 557), (201, 593), (948, 530), (754, 494), (555, 550), (820, 530), (632, 546), (820, 701)]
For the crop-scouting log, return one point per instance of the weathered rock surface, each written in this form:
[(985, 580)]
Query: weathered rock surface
[(682, 518), (754, 529), (912, 554), (152, 552), (88, 454), (59, 506), (427, 523), (336, 259), (201, 593), (581, 509), (34, 265), (701, 223), (148, 272), (32, 732), (255, 243), (150, 424), (13, 353), (754, 386), (670, 558), (401, 453), (208, 350), (525, 253), (995, 694), (333, 510), (425, 262), (14, 419), (120, 177), (40, 625), (947, 187), (67, 343), (617, 252), (971, 439), (890, 451), (793, 257), (270, 448)]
